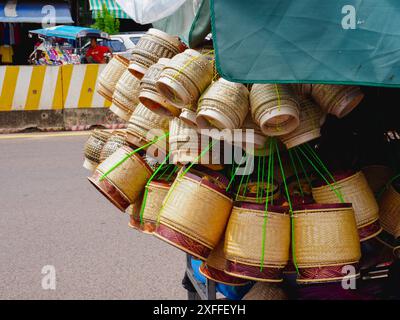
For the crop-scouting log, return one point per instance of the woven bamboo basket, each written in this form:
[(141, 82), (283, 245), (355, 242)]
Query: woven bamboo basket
[(275, 108), (144, 126), (251, 192), (377, 176), (355, 190), (93, 147), (134, 213), (224, 105), (108, 79), (195, 213), (157, 191), (189, 117), (213, 268), (338, 100), (114, 142), (183, 142), (266, 291), (389, 212), (155, 44), (126, 96), (311, 120), (326, 240), (185, 78), (150, 97), (244, 242), (126, 182), (253, 140), (303, 90)]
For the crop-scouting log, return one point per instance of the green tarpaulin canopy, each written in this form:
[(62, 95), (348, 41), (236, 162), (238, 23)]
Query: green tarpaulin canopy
[(325, 41), (96, 6)]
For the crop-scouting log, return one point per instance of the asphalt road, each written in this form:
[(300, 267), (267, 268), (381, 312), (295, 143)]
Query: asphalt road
[(51, 215)]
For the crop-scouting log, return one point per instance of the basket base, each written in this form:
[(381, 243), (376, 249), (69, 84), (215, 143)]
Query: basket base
[(106, 94), (325, 274), (182, 242), (90, 165), (220, 276), (370, 231), (134, 224), (137, 70), (120, 112), (303, 138), (254, 273), (149, 227), (109, 191)]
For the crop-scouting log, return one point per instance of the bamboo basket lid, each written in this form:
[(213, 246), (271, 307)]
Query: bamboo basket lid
[(224, 105), (326, 235), (108, 79), (311, 120), (244, 236), (197, 208), (185, 78), (126, 96), (355, 190)]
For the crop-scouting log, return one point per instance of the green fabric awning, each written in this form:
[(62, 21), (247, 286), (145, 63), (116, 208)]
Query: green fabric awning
[(112, 6), (329, 41)]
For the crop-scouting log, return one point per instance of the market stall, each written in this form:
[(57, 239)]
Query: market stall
[(279, 180)]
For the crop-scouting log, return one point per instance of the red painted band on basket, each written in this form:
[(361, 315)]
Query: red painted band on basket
[(254, 272), (327, 273), (220, 276)]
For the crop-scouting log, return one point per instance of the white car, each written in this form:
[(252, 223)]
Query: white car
[(125, 41)]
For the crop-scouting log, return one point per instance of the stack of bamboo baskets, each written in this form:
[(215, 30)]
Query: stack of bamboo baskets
[(168, 95)]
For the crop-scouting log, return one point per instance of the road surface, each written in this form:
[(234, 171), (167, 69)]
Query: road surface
[(52, 216)]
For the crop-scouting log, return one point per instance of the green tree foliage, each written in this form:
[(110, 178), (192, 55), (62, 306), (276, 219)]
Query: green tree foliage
[(107, 22)]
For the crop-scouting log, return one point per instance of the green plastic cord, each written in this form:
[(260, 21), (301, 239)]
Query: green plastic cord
[(338, 194), (296, 173), (291, 211), (131, 154), (147, 187)]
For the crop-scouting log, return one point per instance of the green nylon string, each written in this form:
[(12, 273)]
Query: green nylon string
[(131, 154), (291, 211), (272, 177), (147, 187), (266, 211), (181, 176), (339, 195), (233, 175), (314, 154), (302, 167), (296, 173), (172, 173)]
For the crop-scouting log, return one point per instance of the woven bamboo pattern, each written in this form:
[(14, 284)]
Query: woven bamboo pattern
[(311, 118), (130, 177), (266, 291), (126, 94), (355, 190), (144, 125), (389, 212), (95, 144), (377, 176), (224, 105), (325, 237), (197, 211), (157, 192), (186, 77), (184, 142), (244, 237), (189, 117), (216, 259), (149, 96), (303, 90), (274, 108), (108, 79), (114, 142), (155, 44), (338, 100)]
